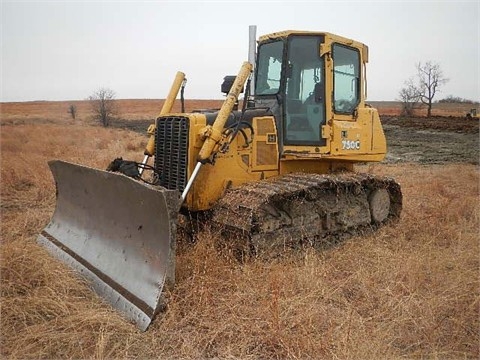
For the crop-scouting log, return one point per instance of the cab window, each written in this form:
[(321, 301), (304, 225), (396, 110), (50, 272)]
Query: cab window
[(269, 68), (346, 80)]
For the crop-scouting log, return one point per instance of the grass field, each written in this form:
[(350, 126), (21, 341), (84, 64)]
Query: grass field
[(409, 290)]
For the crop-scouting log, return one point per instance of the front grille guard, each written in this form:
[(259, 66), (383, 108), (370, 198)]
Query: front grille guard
[(171, 151)]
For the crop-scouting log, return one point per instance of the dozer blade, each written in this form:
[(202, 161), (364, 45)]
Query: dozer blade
[(118, 233)]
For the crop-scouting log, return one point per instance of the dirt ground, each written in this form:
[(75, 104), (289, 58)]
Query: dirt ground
[(436, 140)]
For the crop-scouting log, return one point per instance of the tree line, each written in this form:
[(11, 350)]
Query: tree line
[(421, 90)]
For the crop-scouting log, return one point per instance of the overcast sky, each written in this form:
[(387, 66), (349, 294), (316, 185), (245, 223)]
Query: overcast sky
[(64, 50)]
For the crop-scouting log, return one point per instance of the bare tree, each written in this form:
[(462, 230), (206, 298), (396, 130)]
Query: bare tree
[(72, 110), (103, 104), (410, 97), (430, 78)]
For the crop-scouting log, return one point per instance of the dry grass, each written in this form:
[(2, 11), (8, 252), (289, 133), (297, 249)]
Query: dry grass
[(57, 111), (409, 290)]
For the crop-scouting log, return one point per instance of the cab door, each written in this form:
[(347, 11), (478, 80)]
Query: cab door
[(304, 111), (350, 127)]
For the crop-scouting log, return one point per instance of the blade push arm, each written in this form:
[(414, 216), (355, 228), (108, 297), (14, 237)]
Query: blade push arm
[(213, 134), (166, 108)]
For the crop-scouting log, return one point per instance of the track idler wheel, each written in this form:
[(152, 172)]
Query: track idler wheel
[(379, 203)]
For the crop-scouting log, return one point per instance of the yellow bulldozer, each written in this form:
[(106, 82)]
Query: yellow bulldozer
[(473, 115), (277, 172)]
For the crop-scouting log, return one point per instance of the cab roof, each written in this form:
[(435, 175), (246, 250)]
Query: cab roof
[(329, 38)]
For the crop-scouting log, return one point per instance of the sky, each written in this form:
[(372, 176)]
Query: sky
[(65, 50)]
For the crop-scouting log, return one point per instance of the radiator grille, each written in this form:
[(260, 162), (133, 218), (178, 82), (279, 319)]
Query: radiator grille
[(171, 151), (265, 126), (266, 153)]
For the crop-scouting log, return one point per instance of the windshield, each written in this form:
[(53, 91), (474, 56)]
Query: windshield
[(269, 68)]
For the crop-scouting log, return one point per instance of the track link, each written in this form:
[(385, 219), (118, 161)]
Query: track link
[(297, 209)]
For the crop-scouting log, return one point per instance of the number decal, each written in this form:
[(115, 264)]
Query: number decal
[(350, 145)]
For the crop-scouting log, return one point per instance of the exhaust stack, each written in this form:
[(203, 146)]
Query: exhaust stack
[(252, 46)]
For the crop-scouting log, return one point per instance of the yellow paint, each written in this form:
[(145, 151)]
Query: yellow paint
[(349, 139)]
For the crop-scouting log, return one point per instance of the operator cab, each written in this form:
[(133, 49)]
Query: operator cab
[(291, 80)]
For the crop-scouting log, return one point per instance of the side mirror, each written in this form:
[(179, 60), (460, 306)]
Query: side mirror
[(318, 92), (227, 84), (289, 71)]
